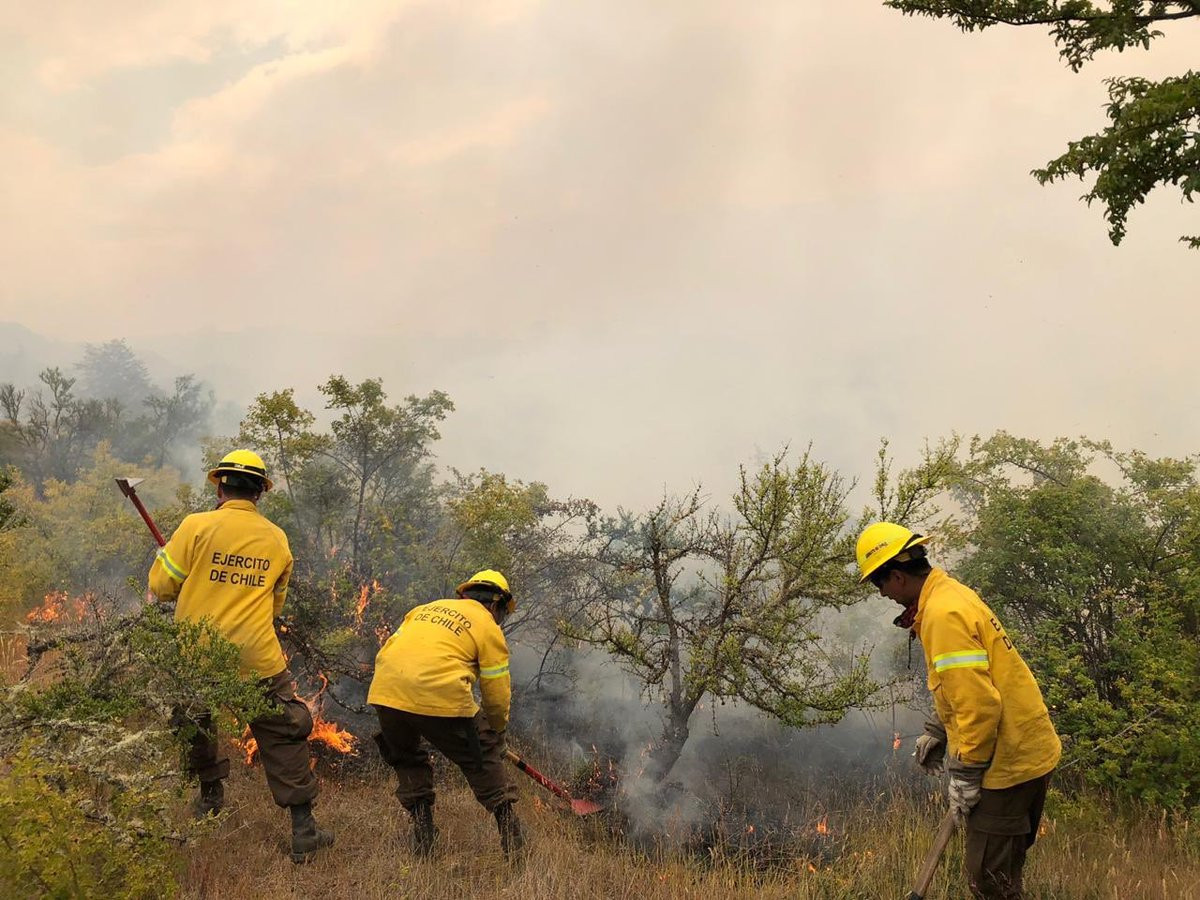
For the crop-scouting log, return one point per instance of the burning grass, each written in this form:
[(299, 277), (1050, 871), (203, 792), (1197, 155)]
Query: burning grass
[(1089, 851), (60, 608), (328, 739)]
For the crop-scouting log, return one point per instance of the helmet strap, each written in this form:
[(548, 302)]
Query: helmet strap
[(906, 618)]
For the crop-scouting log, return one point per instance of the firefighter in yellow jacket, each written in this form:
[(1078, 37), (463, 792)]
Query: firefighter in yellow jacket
[(230, 566), (422, 688), (993, 733)]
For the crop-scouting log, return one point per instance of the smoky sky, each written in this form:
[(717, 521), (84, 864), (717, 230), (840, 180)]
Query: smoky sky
[(638, 244)]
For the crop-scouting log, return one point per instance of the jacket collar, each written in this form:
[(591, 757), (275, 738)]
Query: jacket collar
[(932, 580), (247, 505)]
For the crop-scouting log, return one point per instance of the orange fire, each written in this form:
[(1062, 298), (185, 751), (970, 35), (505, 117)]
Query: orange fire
[(248, 746), (360, 605), (895, 740), (812, 868), (331, 734), (749, 829), (823, 825), (59, 608), (323, 731), (365, 595)]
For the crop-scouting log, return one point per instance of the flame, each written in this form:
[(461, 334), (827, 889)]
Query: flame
[(812, 868), (248, 745), (360, 605), (324, 731), (366, 593), (320, 691), (59, 608), (333, 736), (895, 740), (823, 825), (749, 829)]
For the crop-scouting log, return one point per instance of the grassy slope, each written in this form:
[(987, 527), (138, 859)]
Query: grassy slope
[(1085, 853)]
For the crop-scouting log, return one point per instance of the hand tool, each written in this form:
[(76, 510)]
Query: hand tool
[(579, 807), (934, 856), (127, 486)]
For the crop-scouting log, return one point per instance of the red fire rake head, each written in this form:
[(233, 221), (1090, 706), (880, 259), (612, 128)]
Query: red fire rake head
[(579, 807)]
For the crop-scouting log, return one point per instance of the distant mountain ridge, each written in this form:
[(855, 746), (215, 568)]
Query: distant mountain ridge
[(24, 353)]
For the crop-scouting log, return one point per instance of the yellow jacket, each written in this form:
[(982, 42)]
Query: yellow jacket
[(984, 693), (430, 663), (230, 566)]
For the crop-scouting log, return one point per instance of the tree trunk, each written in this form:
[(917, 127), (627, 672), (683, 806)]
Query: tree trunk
[(674, 738), (664, 756)]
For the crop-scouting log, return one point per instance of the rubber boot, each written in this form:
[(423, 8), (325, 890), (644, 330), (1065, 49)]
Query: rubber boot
[(424, 831), (211, 799), (512, 839), (307, 838)]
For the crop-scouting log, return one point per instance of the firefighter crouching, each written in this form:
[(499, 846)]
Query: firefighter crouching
[(231, 566), (422, 688), (993, 730)]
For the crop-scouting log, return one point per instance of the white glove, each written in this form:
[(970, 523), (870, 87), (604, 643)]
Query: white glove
[(966, 785)]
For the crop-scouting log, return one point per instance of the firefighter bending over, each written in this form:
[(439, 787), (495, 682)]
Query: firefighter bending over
[(993, 730), (422, 688), (231, 566)]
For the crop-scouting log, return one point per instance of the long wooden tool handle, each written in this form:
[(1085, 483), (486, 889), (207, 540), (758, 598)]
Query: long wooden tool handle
[(137, 504), (537, 776), (934, 856)]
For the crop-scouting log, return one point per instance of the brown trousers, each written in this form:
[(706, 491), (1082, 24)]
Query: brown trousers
[(282, 744), (470, 744), (1000, 829)]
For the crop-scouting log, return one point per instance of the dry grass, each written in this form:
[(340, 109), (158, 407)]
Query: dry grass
[(1086, 853), (12, 657)]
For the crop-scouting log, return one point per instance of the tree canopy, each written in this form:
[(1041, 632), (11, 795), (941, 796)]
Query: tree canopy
[(1153, 135)]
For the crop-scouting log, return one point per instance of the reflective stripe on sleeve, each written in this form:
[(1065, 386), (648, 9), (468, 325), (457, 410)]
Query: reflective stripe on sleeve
[(961, 659), (170, 565), (494, 671)]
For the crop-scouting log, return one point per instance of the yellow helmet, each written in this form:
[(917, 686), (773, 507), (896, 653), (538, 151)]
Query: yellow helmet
[(493, 579), (246, 462), (881, 543)]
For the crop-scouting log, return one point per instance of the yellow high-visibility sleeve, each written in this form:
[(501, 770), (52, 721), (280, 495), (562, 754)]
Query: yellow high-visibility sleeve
[(965, 691), (229, 566), (495, 681), (432, 661), (984, 693), (172, 563), (281, 585)]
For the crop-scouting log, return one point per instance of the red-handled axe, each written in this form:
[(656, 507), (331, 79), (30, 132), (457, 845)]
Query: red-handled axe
[(127, 486)]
